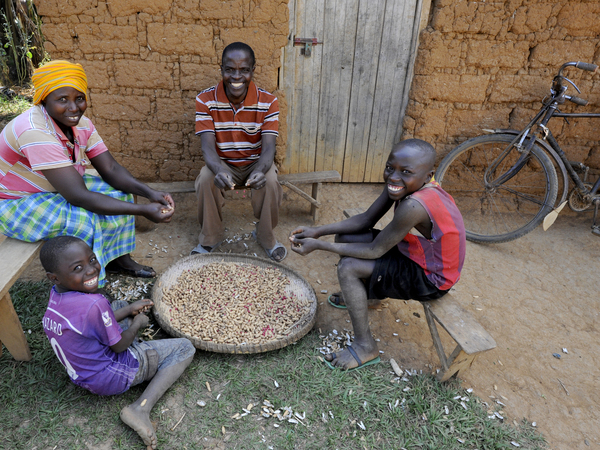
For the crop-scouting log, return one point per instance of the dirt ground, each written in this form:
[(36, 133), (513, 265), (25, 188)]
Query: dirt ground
[(536, 296)]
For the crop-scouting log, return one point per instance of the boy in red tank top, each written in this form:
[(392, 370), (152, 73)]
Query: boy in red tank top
[(393, 262)]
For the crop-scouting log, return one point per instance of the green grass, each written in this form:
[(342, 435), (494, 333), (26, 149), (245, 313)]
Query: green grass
[(42, 409), (9, 109)]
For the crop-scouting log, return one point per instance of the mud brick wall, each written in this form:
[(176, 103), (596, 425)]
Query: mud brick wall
[(488, 64), (146, 60)]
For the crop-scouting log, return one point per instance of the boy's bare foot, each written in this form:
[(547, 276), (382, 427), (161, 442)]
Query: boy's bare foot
[(139, 421), (337, 300), (346, 360)]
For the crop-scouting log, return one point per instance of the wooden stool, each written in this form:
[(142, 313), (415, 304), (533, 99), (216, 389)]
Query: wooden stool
[(15, 256)]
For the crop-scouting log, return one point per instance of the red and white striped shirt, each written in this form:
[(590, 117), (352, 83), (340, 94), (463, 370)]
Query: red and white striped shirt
[(238, 134), (32, 142)]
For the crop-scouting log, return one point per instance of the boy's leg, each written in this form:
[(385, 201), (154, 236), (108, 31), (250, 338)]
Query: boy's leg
[(174, 355), (351, 272)]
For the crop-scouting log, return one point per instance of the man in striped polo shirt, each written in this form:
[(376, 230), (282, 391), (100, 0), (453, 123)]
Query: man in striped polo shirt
[(238, 125)]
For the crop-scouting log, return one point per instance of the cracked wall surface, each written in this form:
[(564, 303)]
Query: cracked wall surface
[(146, 60), (488, 64)]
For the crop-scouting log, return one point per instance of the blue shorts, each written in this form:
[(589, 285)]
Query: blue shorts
[(170, 351)]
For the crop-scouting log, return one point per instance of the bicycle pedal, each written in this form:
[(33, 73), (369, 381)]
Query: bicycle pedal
[(596, 230)]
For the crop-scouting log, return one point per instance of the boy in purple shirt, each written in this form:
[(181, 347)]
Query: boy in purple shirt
[(96, 341)]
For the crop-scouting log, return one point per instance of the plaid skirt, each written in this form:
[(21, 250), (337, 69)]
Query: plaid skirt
[(46, 215)]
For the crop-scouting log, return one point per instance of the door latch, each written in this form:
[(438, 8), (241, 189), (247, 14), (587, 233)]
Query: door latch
[(307, 44)]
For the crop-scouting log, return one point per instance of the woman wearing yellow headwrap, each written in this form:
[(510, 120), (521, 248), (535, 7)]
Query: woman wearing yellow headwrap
[(44, 191)]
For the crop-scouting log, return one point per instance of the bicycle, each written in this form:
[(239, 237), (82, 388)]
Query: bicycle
[(505, 183)]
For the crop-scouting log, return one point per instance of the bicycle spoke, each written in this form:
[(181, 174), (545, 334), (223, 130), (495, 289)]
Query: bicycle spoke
[(498, 212)]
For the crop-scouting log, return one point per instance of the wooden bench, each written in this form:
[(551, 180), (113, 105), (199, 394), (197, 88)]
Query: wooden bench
[(470, 337), (15, 256), (291, 180)]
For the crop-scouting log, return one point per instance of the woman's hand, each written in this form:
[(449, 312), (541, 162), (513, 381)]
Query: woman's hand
[(140, 306), (161, 197), (158, 213)]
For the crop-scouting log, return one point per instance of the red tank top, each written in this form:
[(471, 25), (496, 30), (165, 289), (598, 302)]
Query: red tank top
[(443, 255)]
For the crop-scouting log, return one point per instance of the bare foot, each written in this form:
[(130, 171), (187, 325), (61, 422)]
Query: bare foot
[(139, 421), (345, 360), (126, 265)]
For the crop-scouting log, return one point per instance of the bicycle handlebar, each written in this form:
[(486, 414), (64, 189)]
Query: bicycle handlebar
[(577, 100), (586, 66)]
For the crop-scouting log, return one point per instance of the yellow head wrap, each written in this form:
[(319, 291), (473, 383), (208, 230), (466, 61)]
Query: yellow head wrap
[(55, 75)]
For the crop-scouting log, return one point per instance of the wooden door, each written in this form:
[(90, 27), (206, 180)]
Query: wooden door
[(347, 99)]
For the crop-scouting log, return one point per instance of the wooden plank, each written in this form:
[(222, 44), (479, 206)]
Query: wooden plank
[(15, 257), (326, 176), (352, 212), (393, 83), (460, 361), (362, 95), (336, 77), (460, 325), (11, 331), (173, 187), (316, 188), (303, 79), (302, 194)]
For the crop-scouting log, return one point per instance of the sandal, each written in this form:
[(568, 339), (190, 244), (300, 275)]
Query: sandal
[(337, 301), (200, 249), (270, 252), (375, 360)]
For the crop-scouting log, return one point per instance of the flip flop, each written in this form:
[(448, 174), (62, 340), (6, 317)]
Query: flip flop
[(269, 252), (375, 360), (338, 304), (200, 249)]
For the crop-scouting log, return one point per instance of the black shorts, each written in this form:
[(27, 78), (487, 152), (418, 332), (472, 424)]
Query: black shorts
[(397, 276)]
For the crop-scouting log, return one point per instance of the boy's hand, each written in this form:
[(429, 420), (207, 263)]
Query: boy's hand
[(303, 232), (141, 306), (141, 320), (304, 246)]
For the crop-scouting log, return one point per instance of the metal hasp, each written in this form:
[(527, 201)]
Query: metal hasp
[(307, 43)]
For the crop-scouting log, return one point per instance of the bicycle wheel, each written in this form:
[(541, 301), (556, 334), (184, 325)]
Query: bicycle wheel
[(494, 214)]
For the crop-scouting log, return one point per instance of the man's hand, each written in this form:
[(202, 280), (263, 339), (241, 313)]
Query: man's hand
[(256, 180), (224, 180)]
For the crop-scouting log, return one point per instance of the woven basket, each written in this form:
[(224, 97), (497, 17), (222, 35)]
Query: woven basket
[(298, 286)]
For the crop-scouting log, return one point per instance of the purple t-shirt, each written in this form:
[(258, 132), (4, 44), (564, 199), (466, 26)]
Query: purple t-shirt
[(81, 328)]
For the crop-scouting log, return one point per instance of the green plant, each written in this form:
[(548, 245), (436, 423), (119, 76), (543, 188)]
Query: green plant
[(22, 41)]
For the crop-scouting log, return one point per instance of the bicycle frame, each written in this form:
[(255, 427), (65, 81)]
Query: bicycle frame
[(525, 139)]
